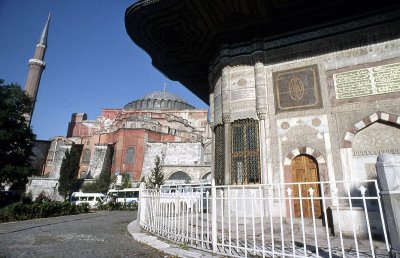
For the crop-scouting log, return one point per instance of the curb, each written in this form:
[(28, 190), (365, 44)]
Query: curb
[(169, 249)]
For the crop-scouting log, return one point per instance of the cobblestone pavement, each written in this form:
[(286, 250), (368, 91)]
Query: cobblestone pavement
[(101, 234)]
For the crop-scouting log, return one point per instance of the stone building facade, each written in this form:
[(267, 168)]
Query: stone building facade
[(127, 140), (340, 109), (299, 91)]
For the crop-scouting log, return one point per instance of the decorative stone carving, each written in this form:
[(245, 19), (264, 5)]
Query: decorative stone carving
[(242, 82), (375, 139), (316, 122), (226, 118), (302, 134), (262, 114), (285, 125)]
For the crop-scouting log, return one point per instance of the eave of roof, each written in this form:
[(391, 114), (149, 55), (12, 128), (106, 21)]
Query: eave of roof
[(183, 37)]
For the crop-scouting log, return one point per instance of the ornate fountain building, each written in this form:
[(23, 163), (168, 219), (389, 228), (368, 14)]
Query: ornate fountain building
[(299, 91)]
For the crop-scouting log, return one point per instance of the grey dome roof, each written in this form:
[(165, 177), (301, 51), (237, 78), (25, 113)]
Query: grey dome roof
[(165, 95), (159, 100)]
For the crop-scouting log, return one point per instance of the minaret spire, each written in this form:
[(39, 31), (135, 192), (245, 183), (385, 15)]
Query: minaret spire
[(45, 32), (36, 67)]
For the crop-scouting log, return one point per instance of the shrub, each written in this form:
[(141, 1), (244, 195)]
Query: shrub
[(22, 211), (27, 198), (42, 197), (117, 206)]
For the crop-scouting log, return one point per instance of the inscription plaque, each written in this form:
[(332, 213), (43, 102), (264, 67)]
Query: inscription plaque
[(239, 95), (366, 82), (297, 89)]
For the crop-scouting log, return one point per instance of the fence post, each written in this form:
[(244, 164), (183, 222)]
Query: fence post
[(141, 204), (214, 216), (388, 170)]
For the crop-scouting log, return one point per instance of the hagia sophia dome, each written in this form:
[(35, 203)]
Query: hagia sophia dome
[(159, 100)]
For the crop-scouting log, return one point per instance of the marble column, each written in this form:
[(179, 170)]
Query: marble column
[(212, 136), (263, 147), (261, 107), (226, 118)]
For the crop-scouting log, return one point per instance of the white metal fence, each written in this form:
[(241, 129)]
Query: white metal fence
[(320, 219)]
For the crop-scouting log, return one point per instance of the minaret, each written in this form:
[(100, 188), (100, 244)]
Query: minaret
[(36, 67)]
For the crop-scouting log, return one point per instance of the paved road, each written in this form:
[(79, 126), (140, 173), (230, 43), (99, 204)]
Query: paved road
[(101, 234)]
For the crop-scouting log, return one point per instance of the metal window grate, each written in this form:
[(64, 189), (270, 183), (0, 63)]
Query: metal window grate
[(245, 152), (219, 154)]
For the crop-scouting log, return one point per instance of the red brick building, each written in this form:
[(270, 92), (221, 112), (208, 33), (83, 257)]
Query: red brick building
[(119, 137)]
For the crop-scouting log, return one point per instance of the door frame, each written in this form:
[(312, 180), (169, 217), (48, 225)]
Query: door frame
[(322, 170)]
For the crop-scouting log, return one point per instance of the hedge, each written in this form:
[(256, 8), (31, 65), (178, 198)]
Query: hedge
[(117, 206), (23, 211)]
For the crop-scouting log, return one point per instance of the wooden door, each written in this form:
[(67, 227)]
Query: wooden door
[(305, 169)]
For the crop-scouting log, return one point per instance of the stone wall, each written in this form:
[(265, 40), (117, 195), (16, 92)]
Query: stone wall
[(178, 155), (322, 107), (58, 157), (49, 186), (101, 159)]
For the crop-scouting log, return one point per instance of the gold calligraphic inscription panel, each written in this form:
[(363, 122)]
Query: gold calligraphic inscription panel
[(366, 82), (297, 89)]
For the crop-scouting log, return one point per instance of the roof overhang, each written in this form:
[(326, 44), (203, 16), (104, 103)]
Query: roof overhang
[(183, 37)]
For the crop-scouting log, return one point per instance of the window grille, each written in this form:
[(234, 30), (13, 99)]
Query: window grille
[(245, 152), (130, 155), (180, 176), (219, 154)]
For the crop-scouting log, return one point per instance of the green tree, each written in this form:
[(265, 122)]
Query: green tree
[(100, 185), (69, 173), (16, 137), (126, 181), (157, 175), (142, 179)]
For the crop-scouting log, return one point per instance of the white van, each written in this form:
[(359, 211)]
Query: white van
[(127, 195), (91, 198)]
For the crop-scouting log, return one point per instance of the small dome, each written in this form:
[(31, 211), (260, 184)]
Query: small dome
[(159, 100)]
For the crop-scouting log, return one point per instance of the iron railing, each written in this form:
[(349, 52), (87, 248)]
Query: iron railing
[(270, 220)]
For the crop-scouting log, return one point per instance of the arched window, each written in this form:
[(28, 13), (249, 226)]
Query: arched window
[(130, 155), (181, 177), (86, 157), (206, 177)]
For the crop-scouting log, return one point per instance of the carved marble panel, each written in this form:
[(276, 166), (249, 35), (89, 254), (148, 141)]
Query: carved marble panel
[(375, 139)]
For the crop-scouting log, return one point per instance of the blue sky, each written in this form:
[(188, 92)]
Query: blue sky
[(91, 63)]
